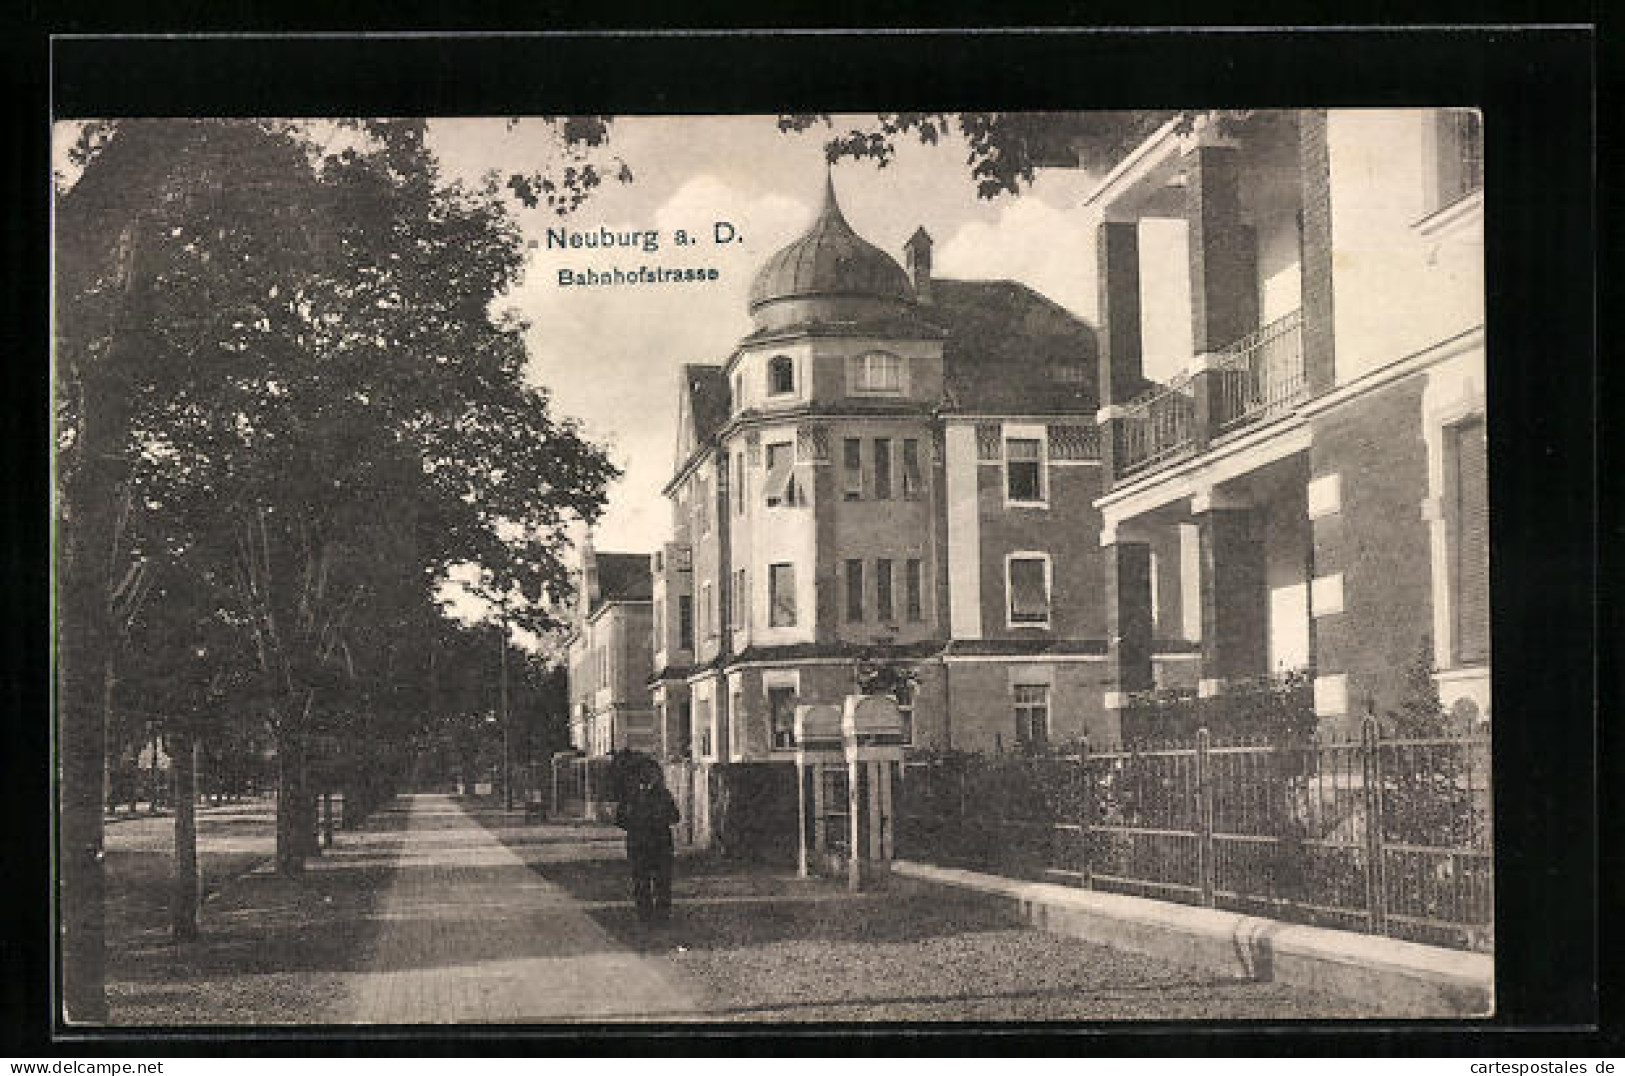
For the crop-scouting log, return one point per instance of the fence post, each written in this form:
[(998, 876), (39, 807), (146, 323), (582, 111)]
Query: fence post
[(1371, 777), (1086, 816), (1204, 816)]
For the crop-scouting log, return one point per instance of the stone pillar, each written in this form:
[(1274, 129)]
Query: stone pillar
[(1117, 250), (1128, 618), (1235, 599), (1223, 253), (1118, 254)]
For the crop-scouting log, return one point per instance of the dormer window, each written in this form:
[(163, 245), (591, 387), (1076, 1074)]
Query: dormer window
[(875, 373), (781, 376)]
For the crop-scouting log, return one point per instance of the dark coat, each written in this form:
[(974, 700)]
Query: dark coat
[(647, 817)]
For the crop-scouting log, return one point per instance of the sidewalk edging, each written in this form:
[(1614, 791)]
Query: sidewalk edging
[(1390, 976)]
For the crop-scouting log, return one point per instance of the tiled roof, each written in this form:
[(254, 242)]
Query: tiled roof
[(1009, 349), (707, 398)]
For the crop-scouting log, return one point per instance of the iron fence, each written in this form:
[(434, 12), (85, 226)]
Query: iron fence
[(1385, 834)]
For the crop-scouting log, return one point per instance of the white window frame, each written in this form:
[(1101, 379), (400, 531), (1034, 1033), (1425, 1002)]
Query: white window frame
[(775, 679), (790, 497), (851, 477), (772, 604), (1049, 591), (1014, 432), (857, 373), (773, 393), (1017, 706)]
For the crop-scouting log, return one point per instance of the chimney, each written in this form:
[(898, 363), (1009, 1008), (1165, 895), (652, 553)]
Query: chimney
[(918, 252)]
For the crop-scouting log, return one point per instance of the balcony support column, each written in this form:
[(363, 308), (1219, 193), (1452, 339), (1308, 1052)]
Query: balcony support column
[(1235, 599), (1223, 253), (1127, 559)]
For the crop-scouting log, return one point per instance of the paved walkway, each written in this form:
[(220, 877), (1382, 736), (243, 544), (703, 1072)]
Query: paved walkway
[(466, 932)]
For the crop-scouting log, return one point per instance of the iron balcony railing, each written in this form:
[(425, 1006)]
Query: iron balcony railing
[(1157, 427), (1261, 374)]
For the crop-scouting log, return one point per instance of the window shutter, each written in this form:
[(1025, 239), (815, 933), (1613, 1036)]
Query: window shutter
[(1472, 552)]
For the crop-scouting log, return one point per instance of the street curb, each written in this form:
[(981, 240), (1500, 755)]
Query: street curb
[(1388, 976)]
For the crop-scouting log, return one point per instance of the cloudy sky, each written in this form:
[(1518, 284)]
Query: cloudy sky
[(610, 355)]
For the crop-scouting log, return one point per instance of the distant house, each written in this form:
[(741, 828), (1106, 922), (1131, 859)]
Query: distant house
[(609, 654), (1319, 463)]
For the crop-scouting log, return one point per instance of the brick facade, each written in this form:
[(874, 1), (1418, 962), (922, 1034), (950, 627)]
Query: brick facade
[(1377, 541)]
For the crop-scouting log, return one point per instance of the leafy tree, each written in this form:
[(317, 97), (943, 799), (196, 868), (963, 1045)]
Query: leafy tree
[(1005, 148), (288, 351)]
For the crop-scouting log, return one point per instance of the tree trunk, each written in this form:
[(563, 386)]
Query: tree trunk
[(292, 829), (188, 888), (83, 688)]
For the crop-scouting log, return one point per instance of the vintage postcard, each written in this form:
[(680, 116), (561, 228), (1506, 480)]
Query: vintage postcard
[(926, 567)]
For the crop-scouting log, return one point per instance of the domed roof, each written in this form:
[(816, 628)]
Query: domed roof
[(830, 259)]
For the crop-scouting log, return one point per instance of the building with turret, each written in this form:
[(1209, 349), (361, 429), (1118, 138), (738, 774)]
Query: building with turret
[(891, 470)]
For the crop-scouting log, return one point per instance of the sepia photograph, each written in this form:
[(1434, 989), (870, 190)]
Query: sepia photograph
[(916, 567)]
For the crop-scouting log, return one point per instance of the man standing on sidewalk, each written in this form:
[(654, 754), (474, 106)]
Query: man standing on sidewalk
[(647, 812)]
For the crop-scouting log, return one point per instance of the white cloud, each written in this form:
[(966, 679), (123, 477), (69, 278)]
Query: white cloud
[(1044, 242)]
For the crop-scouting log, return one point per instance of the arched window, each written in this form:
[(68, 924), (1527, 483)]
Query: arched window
[(781, 375)]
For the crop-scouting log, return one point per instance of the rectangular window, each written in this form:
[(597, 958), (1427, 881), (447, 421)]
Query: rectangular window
[(781, 708), (1032, 714), (854, 591), (739, 483), (781, 589), (911, 470), (1460, 165), (702, 506), (852, 469), (736, 718), (1024, 469), (741, 599), (911, 591), (876, 372), (883, 602), (708, 612), (1029, 590), (685, 621), (1471, 555), (882, 469), (781, 474), (702, 721)]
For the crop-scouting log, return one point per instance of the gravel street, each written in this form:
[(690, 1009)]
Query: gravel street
[(764, 945), (448, 910)]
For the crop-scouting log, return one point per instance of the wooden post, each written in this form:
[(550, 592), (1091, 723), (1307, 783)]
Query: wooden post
[(1086, 817), (887, 838), (1371, 778), (852, 866), (801, 820), (1204, 816), (873, 771), (820, 817)]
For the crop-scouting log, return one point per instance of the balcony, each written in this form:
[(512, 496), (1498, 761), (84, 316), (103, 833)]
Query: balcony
[(1260, 375), (1257, 378), (1157, 427)]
